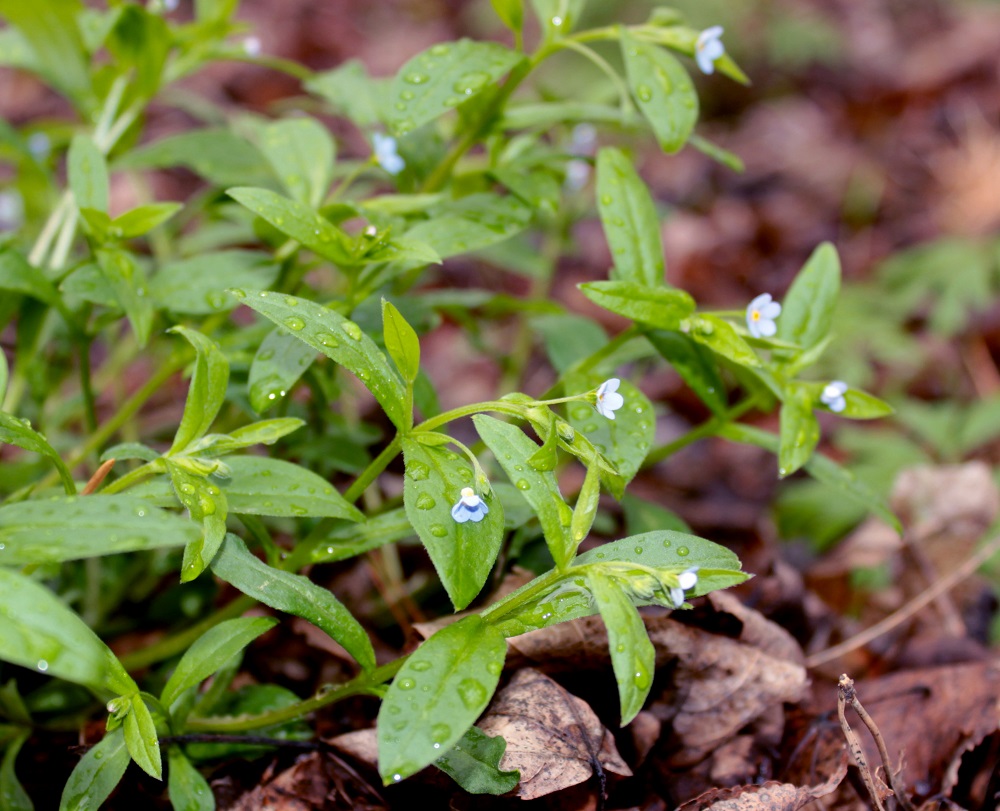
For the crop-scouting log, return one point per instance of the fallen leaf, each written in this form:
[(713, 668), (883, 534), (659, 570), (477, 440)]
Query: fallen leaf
[(770, 796)]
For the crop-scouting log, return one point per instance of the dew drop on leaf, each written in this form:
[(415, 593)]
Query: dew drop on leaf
[(417, 471), (293, 322), (683, 551), (407, 684), (421, 665), (644, 93), (472, 693), (438, 531), (291, 301), (425, 501), (522, 484), (353, 330), (440, 732)]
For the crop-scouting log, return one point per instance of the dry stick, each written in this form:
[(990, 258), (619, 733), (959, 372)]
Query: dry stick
[(854, 743), (98, 478), (906, 611)]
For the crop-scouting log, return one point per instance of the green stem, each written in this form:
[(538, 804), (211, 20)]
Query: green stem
[(86, 388), (133, 478), (375, 467), (708, 428)]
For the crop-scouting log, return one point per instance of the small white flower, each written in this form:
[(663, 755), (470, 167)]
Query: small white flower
[(708, 48), (761, 313), (833, 395), (686, 581), (251, 46), (388, 158), (608, 398), (469, 507)]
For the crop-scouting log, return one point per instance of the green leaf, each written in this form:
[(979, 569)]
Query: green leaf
[(859, 405), (301, 152), (401, 342), (339, 339), (471, 223), (15, 432), (39, 632), (140, 42), (281, 359), (17, 276), (97, 774), (444, 76), (300, 222), (295, 594), (569, 338), (87, 173), (143, 219), (13, 797), (259, 485), (208, 506), (662, 89), (511, 14), (141, 740), (206, 392), (437, 695), (265, 432), (462, 554), (76, 527), (557, 17), (211, 651), (474, 763), (625, 440), (807, 310), (126, 278), (585, 509), (214, 10), (540, 489), (629, 220), (695, 364), (632, 654), (347, 541), (197, 286), (799, 430), (655, 306), (130, 450), (351, 92), (188, 790), (4, 376), (722, 338)]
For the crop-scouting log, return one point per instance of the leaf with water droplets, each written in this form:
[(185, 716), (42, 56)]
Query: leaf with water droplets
[(401, 341), (281, 359), (140, 738), (187, 789), (462, 554), (265, 432), (295, 594), (96, 775), (474, 763), (662, 89), (197, 285), (722, 338), (208, 506), (13, 797), (656, 306), (206, 391), (341, 340), (437, 695), (301, 152), (15, 432), (629, 218), (470, 223), (127, 279), (632, 654), (695, 364), (444, 76)]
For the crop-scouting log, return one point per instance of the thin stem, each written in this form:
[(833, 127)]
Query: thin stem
[(708, 428), (375, 467), (603, 65), (86, 388), (133, 477)]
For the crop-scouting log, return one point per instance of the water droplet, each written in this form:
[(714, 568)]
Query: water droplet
[(638, 550), (641, 676), (425, 501), (215, 300), (683, 551), (207, 506), (666, 544), (266, 354), (421, 665), (416, 78), (42, 665), (238, 292), (590, 426), (607, 199), (98, 755), (452, 101), (523, 484), (469, 83), (494, 668), (187, 489), (291, 301), (440, 50), (406, 95), (472, 693), (407, 684), (600, 556), (438, 531), (397, 777), (417, 471), (400, 106), (620, 647), (293, 322), (644, 93), (353, 330), (440, 733)]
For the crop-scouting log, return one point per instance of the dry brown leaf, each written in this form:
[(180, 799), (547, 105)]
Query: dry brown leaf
[(553, 738)]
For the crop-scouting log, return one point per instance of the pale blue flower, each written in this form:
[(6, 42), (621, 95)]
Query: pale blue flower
[(251, 46), (833, 395), (761, 313), (469, 507), (608, 398), (708, 48), (386, 155), (686, 581)]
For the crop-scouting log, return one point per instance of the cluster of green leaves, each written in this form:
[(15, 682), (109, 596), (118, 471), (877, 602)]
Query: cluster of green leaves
[(335, 275)]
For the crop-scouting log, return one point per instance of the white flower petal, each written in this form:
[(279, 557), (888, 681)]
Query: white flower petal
[(688, 580), (766, 327)]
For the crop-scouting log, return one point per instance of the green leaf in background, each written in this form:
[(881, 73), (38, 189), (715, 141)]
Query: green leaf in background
[(39, 632), (799, 430), (629, 220), (130, 450), (655, 306), (214, 10), (208, 506), (301, 152), (585, 509), (13, 797), (624, 440), (569, 338), (401, 341), (15, 432), (206, 391), (125, 276), (474, 763), (437, 695), (211, 651), (299, 221), (281, 359), (462, 554), (722, 338), (4, 376), (259, 485), (294, 594), (511, 14), (141, 740), (262, 432), (197, 286), (188, 790), (695, 364), (632, 654), (142, 219), (339, 339), (87, 173), (470, 223), (140, 42), (353, 539), (557, 16), (662, 89), (17, 276), (351, 92), (444, 76), (807, 309), (540, 489), (97, 774), (77, 527)]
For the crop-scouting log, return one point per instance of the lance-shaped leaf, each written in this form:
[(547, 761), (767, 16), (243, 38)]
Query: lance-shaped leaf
[(470, 223), (97, 774), (87, 173), (722, 338), (17, 276), (401, 341), (295, 594), (208, 506), (39, 632), (444, 76), (629, 220), (662, 89), (220, 156), (197, 285), (301, 152), (262, 432), (258, 485), (187, 788), (206, 391), (437, 695), (694, 363), (807, 309), (799, 430), (51, 531), (281, 359), (15, 432), (140, 738), (540, 489), (127, 280), (339, 339), (462, 553), (655, 306), (632, 654)]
